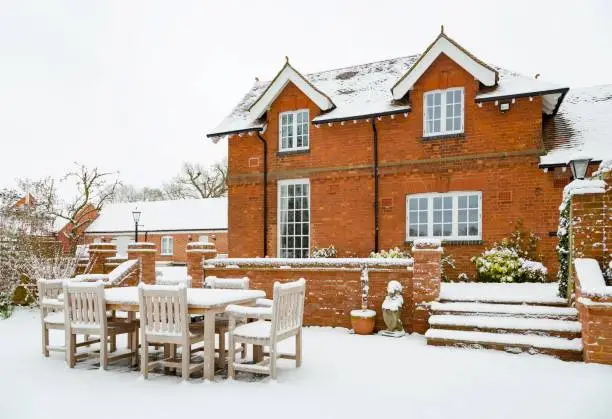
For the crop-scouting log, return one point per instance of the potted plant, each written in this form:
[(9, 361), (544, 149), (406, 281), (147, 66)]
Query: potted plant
[(362, 320)]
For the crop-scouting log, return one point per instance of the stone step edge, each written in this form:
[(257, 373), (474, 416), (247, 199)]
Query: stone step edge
[(522, 324), (505, 339), (504, 309), (493, 300)]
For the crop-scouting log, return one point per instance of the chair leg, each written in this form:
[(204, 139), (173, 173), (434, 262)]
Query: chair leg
[(104, 352), (298, 349), (223, 348), (45, 341), (243, 352), (231, 357), (273, 361), (113, 341), (70, 349), (185, 359), (144, 358)]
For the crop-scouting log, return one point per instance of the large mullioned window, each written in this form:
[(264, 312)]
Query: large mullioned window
[(294, 218)]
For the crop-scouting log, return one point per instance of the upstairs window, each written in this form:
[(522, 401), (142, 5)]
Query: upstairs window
[(454, 216), (293, 130), (443, 112)]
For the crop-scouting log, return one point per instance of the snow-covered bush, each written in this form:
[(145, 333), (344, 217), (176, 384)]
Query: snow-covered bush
[(503, 264), (563, 250), (447, 262), (394, 300), (463, 277), (395, 253), (6, 305), (365, 288), (608, 274), (324, 252)]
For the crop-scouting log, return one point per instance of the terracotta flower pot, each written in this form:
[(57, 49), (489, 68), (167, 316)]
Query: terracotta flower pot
[(362, 321)]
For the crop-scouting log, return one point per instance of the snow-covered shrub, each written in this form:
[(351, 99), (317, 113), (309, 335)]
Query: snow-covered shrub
[(324, 252), (608, 274), (563, 249), (502, 264), (395, 253), (394, 300), (6, 305), (365, 288), (525, 243), (447, 262)]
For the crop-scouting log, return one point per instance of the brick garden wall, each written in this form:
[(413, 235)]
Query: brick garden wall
[(498, 154)]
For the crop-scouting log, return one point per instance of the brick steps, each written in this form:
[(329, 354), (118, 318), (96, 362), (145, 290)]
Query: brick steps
[(565, 349), (526, 326), (505, 310), (510, 301)]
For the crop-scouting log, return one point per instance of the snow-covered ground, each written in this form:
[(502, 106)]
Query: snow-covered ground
[(343, 376)]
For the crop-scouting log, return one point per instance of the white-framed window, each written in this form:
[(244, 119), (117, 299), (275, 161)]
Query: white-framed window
[(443, 112), (453, 216), (167, 246), (294, 218), (293, 130)]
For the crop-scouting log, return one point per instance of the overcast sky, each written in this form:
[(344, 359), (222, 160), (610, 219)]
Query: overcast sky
[(133, 86)]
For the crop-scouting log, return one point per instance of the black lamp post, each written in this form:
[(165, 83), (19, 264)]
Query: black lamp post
[(136, 216), (579, 166)]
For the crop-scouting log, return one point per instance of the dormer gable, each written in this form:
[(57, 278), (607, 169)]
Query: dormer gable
[(285, 75), (485, 74)]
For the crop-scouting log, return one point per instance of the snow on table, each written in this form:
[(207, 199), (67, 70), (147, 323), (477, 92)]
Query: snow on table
[(503, 293), (196, 297)]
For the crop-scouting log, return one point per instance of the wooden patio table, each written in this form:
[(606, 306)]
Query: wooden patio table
[(208, 302)]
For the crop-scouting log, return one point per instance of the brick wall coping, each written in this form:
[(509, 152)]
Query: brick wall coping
[(286, 268), (98, 246), (583, 187), (311, 262), (199, 250), (590, 279), (200, 245), (427, 244)]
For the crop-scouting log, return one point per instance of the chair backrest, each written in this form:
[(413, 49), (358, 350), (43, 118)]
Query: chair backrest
[(288, 307), (227, 283), (163, 310), (48, 290), (84, 305), (160, 280)]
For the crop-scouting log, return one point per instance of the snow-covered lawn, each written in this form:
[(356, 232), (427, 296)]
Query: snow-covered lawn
[(343, 376)]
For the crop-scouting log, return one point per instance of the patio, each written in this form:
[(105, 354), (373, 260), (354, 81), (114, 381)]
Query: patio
[(343, 375)]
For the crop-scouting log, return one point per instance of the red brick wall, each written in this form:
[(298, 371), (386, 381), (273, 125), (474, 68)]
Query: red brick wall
[(180, 243), (331, 293), (497, 154)]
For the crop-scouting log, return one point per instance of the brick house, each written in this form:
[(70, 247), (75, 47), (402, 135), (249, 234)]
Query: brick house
[(170, 225), (369, 157)]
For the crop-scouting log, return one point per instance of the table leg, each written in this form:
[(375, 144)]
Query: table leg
[(257, 353), (209, 345)]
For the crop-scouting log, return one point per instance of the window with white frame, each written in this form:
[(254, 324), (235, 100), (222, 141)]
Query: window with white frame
[(293, 130), (294, 218), (167, 246), (443, 112), (453, 216)]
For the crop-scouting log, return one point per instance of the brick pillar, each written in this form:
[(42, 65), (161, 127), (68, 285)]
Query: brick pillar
[(196, 253), (98, 255), (426, 281), (145, 253)]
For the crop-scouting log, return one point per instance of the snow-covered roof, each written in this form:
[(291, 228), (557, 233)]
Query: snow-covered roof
[(175, 215), (365, 90), (583, 125)]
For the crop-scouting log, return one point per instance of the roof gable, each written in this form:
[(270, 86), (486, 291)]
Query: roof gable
[(444, 45), (286, 75)]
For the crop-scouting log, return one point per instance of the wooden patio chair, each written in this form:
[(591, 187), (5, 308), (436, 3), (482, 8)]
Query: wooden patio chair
[(52, 313), (85, 310), (222, 320), (284, 321), (165, 320)]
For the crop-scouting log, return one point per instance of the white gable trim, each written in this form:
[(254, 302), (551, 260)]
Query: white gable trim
[(286, 75), (442, 44)]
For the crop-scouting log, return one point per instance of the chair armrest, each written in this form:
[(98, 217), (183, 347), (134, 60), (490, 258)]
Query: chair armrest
[(264, 302), (259, 313)]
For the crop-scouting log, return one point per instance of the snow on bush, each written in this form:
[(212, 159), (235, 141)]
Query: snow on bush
[(325, 252), (503, 264), (395, 253), (394, 300)]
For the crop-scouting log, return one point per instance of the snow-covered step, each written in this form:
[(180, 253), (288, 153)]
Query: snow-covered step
[(566, 349), (526, 293), (533, 326), (515, 310)]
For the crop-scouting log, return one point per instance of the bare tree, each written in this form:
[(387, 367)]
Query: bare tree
[(130, 193), (197, 181), (94, 189)]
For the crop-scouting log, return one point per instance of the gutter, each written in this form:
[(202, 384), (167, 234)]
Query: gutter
[(317, 121), (375, 173), (265, 194), (237, 131)]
